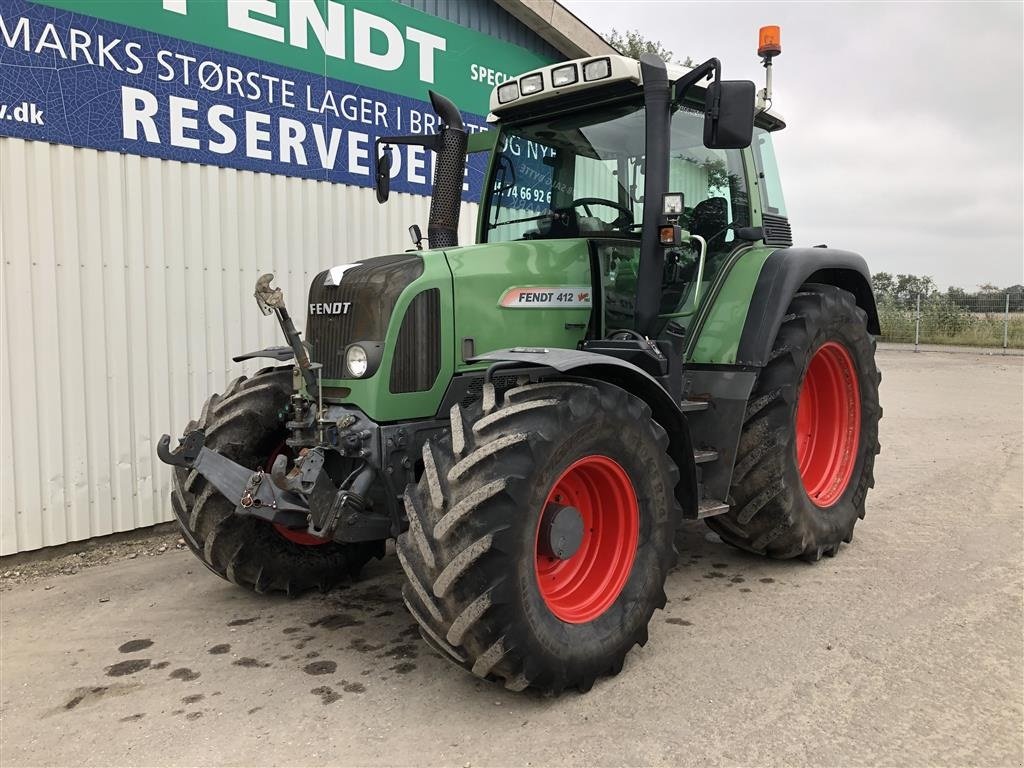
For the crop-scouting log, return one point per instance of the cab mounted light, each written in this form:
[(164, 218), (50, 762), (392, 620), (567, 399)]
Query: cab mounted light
[(562, 76), (670, 234), (769, 45), (531, 84), (508, 92), (598, 69), (769, 42), (672, 204)]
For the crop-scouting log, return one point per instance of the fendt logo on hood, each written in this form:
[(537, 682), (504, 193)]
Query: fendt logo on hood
[(330, 308)]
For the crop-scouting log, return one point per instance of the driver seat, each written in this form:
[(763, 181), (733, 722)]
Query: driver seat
[(710, 220)]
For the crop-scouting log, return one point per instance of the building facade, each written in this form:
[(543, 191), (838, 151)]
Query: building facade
[(157, 157)]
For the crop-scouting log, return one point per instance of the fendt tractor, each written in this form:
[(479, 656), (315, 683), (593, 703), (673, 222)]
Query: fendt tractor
[(632, 341)]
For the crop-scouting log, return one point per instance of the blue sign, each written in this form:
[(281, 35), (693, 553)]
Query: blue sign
[(73, 79)]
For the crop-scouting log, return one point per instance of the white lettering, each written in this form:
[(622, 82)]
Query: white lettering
[(180, 123), (429, 45), (80, 42), (105, 53), (358, 152), (216, 116), (53, 43), (21, 29), (240, 18), (293, 133), (328, 153), (138, 107), (363, 25), (417, 164), (254, 134), (305, 16), (132, 50)]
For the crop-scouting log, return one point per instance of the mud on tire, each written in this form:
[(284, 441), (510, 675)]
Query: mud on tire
[(772, 512), (470, 550), (247, 424)]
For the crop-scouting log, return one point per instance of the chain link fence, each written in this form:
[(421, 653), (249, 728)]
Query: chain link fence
[(991, 320)]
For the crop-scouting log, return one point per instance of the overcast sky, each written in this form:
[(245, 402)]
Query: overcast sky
[(904, 138)]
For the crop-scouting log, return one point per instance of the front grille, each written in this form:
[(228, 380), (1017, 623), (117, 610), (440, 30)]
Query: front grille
[(370, 291), (776, 230), (417, 359)]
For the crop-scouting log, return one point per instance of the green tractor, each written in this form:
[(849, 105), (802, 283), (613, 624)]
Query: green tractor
[(633, 341)]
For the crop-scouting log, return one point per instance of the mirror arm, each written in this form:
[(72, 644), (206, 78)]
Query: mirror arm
[(684, 83), (432, 141)]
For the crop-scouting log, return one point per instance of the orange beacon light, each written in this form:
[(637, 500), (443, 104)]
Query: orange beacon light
[(769, 42)]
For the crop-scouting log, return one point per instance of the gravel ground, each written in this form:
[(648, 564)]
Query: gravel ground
[(69, 559), (904, 650)]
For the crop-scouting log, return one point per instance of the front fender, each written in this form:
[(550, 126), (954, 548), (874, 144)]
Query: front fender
[(634, 380)]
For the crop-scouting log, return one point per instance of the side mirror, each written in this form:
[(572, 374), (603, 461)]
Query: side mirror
[(382, 178), (729, 114)]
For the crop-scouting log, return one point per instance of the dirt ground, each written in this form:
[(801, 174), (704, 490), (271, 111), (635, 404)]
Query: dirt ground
[(906, 649)]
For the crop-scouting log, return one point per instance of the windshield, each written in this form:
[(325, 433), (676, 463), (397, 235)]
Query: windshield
[(572, 175)]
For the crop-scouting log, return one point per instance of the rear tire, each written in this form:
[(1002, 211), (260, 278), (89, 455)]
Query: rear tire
[(802, 474), (475, 557), (247, 424)]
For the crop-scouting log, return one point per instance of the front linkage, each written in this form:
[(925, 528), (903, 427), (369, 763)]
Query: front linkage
[(345, 481)]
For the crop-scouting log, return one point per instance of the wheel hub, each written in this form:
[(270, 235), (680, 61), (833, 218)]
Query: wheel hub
[(561, 532)]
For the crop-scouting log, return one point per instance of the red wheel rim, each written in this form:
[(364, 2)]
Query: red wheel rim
[(304, 538), (584, 586), (828, 424)]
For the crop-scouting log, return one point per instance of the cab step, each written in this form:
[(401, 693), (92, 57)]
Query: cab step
[(704, 456), (694, 406), (710, 508)]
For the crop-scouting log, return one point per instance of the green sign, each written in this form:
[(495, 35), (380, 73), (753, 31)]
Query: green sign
[(382, 44)]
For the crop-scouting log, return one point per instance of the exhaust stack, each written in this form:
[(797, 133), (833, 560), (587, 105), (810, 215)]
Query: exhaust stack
[(449, 173)]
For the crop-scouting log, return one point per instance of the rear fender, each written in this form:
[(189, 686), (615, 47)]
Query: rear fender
[(637, 382), (781, 277)]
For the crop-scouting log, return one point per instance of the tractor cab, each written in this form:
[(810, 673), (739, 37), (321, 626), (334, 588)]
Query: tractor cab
[(582, 174), (574, 146)]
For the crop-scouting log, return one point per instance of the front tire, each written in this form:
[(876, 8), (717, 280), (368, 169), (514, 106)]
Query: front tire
[(492, 582), (247, 425), (810, 435)]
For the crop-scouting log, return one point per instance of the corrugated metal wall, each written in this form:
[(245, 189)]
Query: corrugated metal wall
[(126, 288)]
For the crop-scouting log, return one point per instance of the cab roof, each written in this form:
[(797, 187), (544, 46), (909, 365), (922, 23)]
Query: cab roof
[(572, 80)]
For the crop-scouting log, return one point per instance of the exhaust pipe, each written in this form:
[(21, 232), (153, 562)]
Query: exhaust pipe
[(449, 173)]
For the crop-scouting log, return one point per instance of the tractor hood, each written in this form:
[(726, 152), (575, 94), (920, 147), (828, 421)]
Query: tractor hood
[(397, 308)]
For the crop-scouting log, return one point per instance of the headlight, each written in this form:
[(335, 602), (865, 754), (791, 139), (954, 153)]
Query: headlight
[(356, 361), (531, 84), (508, 92)]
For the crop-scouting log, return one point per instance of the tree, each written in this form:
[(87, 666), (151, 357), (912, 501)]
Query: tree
[(903, 288), (633, 44), (883, 283), (911, 286)]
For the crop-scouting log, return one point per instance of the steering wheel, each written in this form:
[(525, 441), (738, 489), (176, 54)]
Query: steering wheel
[(624, 219)]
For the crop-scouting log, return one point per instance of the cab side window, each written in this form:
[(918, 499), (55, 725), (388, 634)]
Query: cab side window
[(712, 181), (768, 171)]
